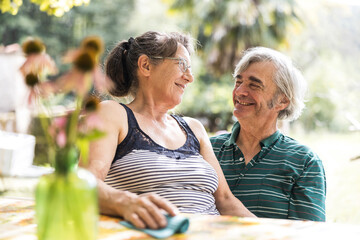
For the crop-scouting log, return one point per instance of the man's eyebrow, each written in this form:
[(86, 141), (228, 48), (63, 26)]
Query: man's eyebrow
[(238, 76), (255, 79), (252, 78)]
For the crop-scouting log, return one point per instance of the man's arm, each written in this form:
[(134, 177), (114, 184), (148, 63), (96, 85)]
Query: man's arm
[(307, 200)]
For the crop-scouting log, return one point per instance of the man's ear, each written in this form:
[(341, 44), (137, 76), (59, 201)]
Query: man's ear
[(144, 65), (284, 102)]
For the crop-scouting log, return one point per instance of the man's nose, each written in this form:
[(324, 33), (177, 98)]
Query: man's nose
[(241, 90)]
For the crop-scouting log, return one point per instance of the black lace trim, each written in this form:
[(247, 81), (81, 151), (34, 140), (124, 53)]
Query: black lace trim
[(136, 139)]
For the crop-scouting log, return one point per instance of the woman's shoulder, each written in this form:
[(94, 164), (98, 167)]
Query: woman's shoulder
[(112, 111), (196, 126), (193, 122), (111, 107), (110, 104)]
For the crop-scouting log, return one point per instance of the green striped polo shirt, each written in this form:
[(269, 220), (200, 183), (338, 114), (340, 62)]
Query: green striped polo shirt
[(284, 180)]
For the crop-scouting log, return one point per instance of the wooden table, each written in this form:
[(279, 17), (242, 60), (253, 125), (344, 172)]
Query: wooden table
[(17, 222)]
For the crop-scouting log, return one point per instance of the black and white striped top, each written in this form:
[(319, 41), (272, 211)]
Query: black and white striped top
[(181, 176)]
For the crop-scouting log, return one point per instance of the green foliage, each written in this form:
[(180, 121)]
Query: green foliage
[(225, 28), (333, 93), (323, 44), (319, 114), (210, 100), (327, 50), (104, 18)]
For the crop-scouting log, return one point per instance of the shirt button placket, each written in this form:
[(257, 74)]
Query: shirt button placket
[(241, 175)]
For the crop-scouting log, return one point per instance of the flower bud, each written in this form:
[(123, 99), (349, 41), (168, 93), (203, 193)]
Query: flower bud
[(33, 46), (85, 62), (91, 104), (31, 79), (93, 44)]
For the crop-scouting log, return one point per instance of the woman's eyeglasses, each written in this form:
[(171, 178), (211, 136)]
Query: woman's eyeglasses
[(183, 65)]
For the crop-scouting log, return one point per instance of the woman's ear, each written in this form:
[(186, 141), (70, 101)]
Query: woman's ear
[(144, 65)]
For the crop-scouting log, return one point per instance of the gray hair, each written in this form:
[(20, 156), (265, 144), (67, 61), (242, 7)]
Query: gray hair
[(287, 78)]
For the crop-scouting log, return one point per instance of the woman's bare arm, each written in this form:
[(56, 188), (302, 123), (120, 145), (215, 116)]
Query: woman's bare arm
[(142, 211)]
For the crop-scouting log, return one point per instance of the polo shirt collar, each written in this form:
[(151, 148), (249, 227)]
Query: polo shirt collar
[(270, 140), (235, 133)]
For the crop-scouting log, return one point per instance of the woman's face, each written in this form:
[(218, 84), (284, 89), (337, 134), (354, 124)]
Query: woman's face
[(169, 79)]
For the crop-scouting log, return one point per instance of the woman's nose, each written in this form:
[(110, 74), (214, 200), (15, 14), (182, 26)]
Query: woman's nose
[(188, 76)]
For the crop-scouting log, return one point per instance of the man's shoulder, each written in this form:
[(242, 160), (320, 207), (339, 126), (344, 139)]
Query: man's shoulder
[(220, 144), (294, 147), (220, 138)]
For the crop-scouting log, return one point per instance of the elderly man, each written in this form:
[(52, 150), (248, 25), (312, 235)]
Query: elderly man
[(272, 174)]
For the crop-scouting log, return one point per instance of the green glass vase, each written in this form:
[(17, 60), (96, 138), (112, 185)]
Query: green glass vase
[(66, 201)]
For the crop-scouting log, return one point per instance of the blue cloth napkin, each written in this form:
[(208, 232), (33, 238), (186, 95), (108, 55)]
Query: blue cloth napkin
[(176, 224)]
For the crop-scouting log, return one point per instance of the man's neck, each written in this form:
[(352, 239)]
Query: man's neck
[(250, 137)]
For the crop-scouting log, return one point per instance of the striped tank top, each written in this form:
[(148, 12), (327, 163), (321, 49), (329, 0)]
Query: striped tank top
[(181, 176)]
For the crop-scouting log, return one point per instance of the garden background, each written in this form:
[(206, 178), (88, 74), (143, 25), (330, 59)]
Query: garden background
[(320, 36)]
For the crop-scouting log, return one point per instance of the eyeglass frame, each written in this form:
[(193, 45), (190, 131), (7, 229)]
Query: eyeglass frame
[(180, 59)]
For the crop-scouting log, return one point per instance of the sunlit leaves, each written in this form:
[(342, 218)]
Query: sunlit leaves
[(58, 7), (51, 7), (10, 6)]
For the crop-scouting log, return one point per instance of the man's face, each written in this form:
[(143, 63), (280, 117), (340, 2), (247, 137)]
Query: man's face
[(254, 96)]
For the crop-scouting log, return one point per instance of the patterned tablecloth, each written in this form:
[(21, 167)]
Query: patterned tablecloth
[(17, 222)]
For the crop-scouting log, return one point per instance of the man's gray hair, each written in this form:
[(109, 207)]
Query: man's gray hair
[(287, 77)]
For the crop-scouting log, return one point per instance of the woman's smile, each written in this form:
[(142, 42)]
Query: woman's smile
[(182, 86)]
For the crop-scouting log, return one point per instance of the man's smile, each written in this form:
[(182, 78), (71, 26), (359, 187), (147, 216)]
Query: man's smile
[(243, 103)]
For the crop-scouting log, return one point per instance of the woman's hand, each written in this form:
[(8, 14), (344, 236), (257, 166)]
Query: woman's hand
[(146, 210), (142, 211)]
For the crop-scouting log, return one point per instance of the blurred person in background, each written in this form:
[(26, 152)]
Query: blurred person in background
[(273, 175), (151, 161)]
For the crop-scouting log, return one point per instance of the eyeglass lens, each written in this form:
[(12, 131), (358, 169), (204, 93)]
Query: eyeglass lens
[(183, 65)]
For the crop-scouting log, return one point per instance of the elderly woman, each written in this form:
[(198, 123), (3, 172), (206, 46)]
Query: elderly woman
[(150, 161)]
